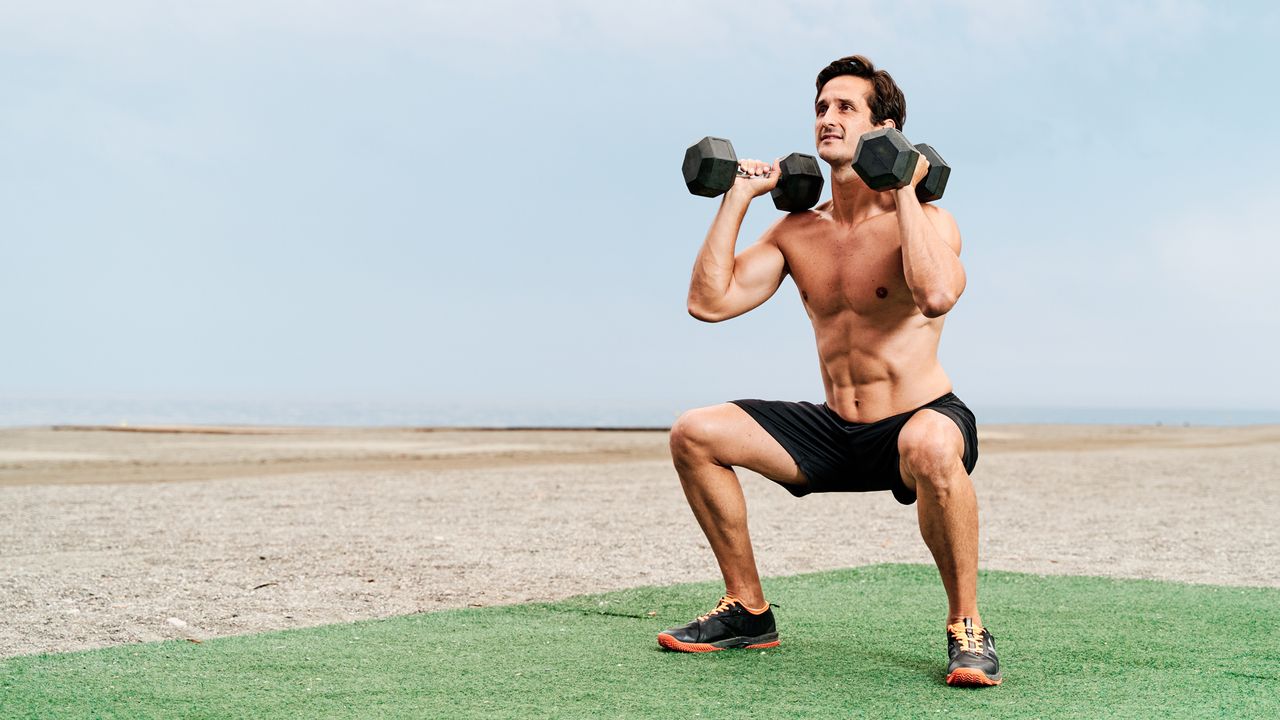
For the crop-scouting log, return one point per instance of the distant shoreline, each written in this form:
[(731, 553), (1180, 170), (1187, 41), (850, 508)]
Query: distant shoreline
[(282, 429), (197, 429), (605, 416)]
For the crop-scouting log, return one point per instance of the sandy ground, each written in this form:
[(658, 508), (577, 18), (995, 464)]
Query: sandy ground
[(111, 537)]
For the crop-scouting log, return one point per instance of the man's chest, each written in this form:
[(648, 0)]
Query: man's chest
[(840, 271)]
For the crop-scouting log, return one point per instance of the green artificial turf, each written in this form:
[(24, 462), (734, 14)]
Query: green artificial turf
[(864, 642)]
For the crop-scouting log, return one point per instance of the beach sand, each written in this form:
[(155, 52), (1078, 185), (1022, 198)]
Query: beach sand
[(111, 535)]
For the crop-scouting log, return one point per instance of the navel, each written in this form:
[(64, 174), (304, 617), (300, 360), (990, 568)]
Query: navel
[(882, 292)]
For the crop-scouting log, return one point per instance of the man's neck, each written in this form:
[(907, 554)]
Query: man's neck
[(852, 201)]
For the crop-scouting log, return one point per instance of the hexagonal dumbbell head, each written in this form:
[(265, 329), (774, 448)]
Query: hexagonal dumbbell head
[(800, 184), (935, 182), (884, 159), (710, 166)]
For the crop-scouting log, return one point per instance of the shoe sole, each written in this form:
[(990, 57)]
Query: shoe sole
[(739, 643), (972, 677)]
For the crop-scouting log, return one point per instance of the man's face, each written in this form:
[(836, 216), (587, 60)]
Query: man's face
[(842, 117)]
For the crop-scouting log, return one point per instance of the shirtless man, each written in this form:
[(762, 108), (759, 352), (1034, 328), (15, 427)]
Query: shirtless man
[(877, 273)]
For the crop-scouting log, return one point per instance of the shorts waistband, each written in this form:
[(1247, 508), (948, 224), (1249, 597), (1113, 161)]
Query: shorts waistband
[(940, 400)]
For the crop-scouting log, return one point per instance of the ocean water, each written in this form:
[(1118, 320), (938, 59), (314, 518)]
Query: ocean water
[(44, 412)]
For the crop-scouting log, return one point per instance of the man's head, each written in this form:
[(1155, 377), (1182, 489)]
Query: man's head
[(854, 98)]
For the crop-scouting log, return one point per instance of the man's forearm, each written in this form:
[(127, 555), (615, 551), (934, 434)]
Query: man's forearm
[(713, 270), (932, 270)]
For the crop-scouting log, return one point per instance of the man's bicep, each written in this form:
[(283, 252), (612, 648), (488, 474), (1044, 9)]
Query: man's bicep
[(760, 267), (757, 274)]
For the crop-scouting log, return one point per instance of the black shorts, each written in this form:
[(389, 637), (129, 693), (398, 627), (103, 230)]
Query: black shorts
[(841, 456)]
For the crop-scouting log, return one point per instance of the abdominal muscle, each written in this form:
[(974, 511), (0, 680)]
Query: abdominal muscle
[(871, 370)]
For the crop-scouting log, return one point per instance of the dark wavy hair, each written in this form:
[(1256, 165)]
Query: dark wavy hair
[(886, 102)]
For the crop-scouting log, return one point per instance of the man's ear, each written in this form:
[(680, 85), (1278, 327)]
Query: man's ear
[(888, 122)]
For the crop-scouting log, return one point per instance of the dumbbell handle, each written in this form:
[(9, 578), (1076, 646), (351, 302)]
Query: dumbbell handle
[(707, 172)]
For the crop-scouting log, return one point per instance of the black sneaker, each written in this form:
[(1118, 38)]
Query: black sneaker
[(973, 656), (730, 625)]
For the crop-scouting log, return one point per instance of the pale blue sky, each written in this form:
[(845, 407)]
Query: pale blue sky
[(479, 203)]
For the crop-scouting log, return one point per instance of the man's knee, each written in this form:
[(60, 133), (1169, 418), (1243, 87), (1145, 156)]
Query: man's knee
[(694, 433), (930, 447)]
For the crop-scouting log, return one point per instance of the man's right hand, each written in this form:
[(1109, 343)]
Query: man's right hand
[(761, 178)]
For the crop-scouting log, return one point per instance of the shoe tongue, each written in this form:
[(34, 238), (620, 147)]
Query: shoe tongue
[(964, 627)]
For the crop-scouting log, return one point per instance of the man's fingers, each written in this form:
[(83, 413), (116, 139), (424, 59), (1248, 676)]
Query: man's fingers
[(756, 168)]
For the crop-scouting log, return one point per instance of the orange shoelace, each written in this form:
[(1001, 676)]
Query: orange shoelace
[(969, 644), (725, 603)]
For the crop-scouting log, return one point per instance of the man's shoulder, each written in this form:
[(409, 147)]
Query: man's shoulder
[(793, 226), (798, 221), (938, 211)]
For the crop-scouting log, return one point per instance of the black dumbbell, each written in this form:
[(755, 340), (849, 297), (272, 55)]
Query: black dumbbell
[(711, 166), (886, 161)]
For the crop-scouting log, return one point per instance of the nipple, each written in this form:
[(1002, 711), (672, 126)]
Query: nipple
[(882, 292)]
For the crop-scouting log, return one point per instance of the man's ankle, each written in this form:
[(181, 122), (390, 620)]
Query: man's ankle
[(755, 604)]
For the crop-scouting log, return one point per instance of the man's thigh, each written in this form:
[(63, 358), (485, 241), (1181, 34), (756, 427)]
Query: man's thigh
[(935, 439), (733, 438)]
